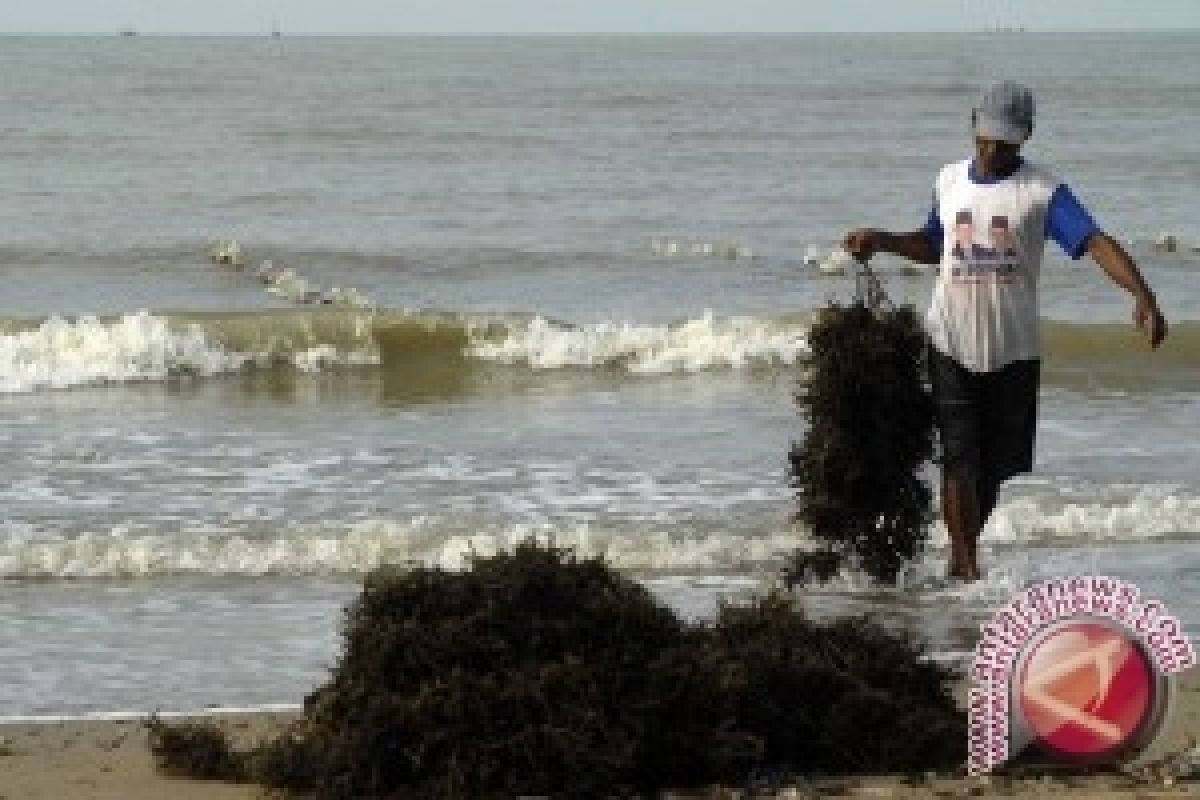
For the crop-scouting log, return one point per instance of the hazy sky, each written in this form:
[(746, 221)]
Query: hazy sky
[(583, 16)]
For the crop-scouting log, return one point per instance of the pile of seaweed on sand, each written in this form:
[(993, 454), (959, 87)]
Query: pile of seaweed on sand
[(858, 468), (537, 672)]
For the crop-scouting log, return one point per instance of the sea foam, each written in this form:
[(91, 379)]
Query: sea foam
[(1145, 513), (141, 346), (702, 343)]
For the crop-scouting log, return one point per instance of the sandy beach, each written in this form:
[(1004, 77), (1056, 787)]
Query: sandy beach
[(103, 759), (109, 759)]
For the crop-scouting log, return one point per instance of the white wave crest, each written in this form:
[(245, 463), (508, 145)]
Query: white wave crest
[(698, 344), (1149, 512), (61, 353), (1115, 513), (362, 546)]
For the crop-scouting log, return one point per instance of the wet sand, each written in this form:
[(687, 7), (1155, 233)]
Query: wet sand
[(109, 759)]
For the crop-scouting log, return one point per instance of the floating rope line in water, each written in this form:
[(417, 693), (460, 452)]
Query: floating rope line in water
[(285, 282), (857, 470)]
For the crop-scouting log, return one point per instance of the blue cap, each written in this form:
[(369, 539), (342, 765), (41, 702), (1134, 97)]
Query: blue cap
[(1004, 111)]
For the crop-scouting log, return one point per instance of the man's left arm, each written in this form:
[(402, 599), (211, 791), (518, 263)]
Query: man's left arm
[(1069, 224), (1119, 266)]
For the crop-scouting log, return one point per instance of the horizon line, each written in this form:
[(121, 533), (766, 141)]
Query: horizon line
[(131, 32)]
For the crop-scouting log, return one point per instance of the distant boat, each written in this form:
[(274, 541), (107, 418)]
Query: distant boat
[(128, 32), (275, 33)]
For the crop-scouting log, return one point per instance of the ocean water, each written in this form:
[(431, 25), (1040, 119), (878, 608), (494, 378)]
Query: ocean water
[(579, 297)]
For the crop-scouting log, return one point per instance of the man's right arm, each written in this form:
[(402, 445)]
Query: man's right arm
[(916, 246)]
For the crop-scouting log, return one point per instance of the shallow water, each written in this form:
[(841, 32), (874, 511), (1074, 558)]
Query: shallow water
[(581, 263)]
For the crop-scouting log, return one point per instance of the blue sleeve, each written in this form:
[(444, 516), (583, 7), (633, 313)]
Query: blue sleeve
[(933, 227), (1069, 223)]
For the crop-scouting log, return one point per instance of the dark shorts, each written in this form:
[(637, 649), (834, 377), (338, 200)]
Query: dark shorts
[(986, 421)]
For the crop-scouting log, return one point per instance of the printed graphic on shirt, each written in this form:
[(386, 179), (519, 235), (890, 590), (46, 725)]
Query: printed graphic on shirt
[(995, 261)]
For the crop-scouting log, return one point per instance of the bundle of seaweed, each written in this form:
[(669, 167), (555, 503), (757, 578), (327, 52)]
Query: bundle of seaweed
[(775, 691), (194, 750), (287, 762), (202, 750), (515, 677), (539, 673), (870, 433)]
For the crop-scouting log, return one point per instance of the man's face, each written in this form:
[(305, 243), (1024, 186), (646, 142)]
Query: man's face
[(994, 157)]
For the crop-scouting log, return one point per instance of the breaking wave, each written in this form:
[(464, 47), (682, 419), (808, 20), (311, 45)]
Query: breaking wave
[(58, 352), (358, 547), (1123, 514), (697, 344)]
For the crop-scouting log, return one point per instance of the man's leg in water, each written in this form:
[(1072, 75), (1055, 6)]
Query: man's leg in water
[(1008, 419), (960, 513), (970, 440), (967, 505), (986, 492)]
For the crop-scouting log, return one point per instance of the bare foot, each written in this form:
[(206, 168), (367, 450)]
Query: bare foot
[(963, 572)]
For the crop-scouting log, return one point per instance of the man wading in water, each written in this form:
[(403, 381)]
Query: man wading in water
[(990, 220)]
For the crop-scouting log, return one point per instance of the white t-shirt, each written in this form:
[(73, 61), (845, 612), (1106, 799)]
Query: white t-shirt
[(992, 234)]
